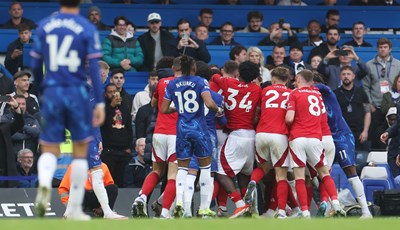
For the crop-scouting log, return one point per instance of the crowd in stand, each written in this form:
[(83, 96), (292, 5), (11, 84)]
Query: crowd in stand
[(368, 98)]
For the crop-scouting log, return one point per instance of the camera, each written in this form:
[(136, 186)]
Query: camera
[(281, 21), (341, 52)]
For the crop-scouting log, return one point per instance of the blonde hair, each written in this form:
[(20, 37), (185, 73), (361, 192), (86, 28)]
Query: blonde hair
[(104, 65), (257, 50)]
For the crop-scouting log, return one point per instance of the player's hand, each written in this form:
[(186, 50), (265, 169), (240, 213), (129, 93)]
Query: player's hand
[(363, 137), (384, 137), (99, 115)]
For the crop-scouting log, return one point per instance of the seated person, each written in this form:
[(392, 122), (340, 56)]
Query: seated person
[(24, 168), (15, 10)]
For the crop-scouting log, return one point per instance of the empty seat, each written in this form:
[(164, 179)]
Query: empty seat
[(378, 157), (374, 178)]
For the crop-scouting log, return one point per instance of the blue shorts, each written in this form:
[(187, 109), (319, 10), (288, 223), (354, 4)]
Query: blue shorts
[(194, 164), (345, 148), (66, 108), (93, 155), (192, 141)]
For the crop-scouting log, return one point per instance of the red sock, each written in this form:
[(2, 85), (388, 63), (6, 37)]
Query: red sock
[(169, 194), (302, 194), (257, 175), (274, 198), (235, 196), (267, 194), (222, 197), (323, 194), (282, 193), (310, 192), (330, 187), (243, 191), (216, 190), (149, 183), (291, 200)]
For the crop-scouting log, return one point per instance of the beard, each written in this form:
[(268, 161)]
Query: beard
[(347, 82)]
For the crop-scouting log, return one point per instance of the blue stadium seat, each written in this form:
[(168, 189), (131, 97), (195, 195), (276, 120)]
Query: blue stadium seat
[(374, 178), (340, 178)]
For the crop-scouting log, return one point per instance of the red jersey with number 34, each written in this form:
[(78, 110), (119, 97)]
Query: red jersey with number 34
[(241, 101), (273, 110), (307, 104)]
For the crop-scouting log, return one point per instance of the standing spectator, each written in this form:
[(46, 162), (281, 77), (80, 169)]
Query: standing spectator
[(6, 87), (238, 54), (24, 168), (291, 3), (255, 55), (21, 82), (120, 49), (227, 32), (154, 42), (201, 32), (206, 18), (332, 40), (137, 169), (358, 30), (117, 134), (118, 79), (15, 10), (27, 137), (314, 34), (143, 97), (255, 21), (14, 55), (391, 98), (355, 108), (332, 18), (276, 35), (382, 70), (94, 15), (184, 44)]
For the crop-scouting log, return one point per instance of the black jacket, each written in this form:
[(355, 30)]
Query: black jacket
[(148, 45), (199, 54), (12, 65)]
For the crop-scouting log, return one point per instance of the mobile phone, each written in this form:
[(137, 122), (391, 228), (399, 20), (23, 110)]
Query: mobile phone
[(4, 98), (281, 21), (341, 53), (185, 36)]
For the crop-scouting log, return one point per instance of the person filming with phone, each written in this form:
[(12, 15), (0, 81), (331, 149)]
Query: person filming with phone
[(276, 35), (345, 55)]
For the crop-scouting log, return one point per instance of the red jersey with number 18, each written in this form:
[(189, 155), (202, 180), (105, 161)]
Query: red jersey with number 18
[(241, 101), (307, 104), (273, 109)]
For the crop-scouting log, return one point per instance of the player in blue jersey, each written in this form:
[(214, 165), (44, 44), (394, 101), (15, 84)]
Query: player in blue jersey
[(345, 146), (189, 93), (69, 47)]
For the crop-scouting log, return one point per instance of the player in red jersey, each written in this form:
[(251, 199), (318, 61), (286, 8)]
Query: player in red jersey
[(242, 98), (164, 139), (304, 119)]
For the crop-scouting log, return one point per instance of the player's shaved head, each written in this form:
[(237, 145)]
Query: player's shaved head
[(280, 73), (248, 71), (70, 3)]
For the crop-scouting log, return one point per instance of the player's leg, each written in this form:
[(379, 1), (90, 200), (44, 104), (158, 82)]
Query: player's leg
[(190, 187), (206, 186), (282, 188), (183, 168)]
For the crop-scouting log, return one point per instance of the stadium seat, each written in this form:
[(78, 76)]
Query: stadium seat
[(340, 178), (378, 157), (374, 178)]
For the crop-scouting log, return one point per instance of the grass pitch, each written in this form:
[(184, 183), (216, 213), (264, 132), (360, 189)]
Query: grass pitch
[(198, 224)]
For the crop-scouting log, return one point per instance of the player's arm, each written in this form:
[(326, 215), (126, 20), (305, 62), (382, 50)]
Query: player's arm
[(289, 118), (209, 102), (257, 116), (166, 107)]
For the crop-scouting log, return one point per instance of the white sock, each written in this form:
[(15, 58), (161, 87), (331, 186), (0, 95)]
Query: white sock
[(206, 187), (360, 195), (47, 165), (79, 174), (188, 193), (165, 213), (180, 184), (100, 191)]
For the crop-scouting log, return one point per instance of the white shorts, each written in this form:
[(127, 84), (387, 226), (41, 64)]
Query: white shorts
[(272, 147), (306, 150), (164, 148), (221, 138), (237, 153), (329, 146)]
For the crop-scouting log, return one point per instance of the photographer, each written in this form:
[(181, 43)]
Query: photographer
[(276, 35), (345, 55)]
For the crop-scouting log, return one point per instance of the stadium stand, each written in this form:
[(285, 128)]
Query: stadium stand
[(374, 178)]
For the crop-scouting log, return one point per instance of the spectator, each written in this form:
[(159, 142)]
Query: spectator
[(374, 3), (90, 202), (296, 61), (332, 40), (15, 10), (314, 34), (315, 60), (6, 87), (24, 168), (130, 28), (291, 3), (201, 32), (266, 2), (327, 3), (332, 19), (7, 158), (14, 55), (255, 55), (27, 137), (358, 30), (144, 117), (278, 58), (206, 18), (142, 98), (21, 82), (104, 70), (391, 98), (118, 78), (255, 21), (154, 42), (137, 169), (276, 36), (185, 44), (345, 56), (94, 15), (355, 108), (121, 50), (238, 54), (382, 70), (226, 36)]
